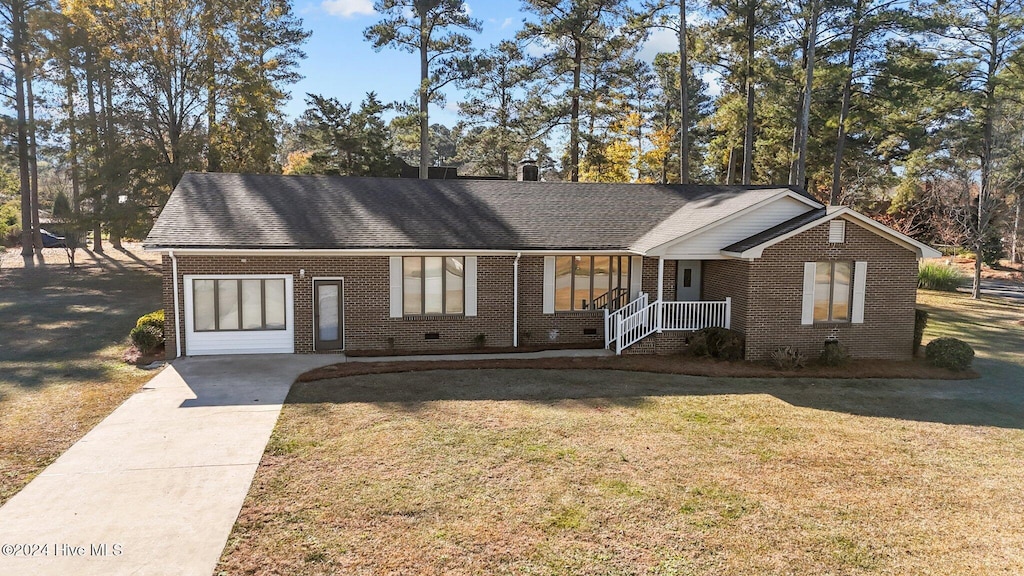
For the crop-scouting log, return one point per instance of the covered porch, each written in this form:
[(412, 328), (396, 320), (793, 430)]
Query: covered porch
[(676, 306)]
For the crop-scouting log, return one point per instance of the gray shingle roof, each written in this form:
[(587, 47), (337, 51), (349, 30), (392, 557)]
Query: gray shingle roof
[(776, 231), (241, 211)]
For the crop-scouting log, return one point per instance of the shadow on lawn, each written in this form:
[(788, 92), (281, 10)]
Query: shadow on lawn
[(988, 401), (56, 321)]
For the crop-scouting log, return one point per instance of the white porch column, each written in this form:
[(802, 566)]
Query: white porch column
[(661, 290)]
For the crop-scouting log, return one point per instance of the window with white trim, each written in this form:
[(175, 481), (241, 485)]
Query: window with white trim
[(433, 285), (227, 305), (832, 291), (591, 282)]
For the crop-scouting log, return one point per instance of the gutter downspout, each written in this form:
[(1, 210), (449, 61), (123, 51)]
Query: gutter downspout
[(515, 301), (177, 326)]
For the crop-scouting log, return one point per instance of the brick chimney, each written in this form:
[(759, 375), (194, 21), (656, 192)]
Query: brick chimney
[(528, 171)]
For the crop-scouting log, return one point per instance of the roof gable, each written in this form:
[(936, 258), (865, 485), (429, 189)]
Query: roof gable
[(754, 246)]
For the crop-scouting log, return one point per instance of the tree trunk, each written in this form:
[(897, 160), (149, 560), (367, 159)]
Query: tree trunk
[(684, 100), (844, 109), (748, 136), (1015, 240), (664, 157), (33, 163), (69, 86), (18, 55), (423, 92), (91, 191), (115, 176), (213, 159), (730, 170), (987, 141), (574, 114), (805, 112)]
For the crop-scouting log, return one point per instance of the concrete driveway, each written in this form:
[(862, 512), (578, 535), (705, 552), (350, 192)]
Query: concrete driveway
[(156, 487)]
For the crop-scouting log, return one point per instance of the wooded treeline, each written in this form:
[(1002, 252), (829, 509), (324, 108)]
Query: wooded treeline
[(910, 110), (114, 101)]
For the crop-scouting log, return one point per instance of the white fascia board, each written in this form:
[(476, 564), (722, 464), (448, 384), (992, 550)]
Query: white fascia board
[(922, 250), (380, 252), (660, 249)]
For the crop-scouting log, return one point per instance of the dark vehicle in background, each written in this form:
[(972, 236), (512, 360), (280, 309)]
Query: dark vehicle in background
[(52, 240)]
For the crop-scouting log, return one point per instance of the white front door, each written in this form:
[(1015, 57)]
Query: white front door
[(687, 280)]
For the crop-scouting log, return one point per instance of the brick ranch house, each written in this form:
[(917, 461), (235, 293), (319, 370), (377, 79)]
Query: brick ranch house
[(261, 264)]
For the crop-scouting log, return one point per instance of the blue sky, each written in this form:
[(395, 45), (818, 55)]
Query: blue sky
[(341, 64)]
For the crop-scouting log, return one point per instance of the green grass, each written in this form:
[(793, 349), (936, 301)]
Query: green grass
[(602, 472), (60, 356), (932, 276)]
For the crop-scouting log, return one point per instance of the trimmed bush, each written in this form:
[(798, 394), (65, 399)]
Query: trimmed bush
[(152, 319), (939, 277), (949, 353), (787, 358), (147, 338), (834, 354), (920, 323), (717, 343), (148, 333)]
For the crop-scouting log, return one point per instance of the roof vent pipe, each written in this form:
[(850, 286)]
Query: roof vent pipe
[(529, 171)]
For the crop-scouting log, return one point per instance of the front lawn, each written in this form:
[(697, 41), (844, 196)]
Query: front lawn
[(61, 342), (609, 472)]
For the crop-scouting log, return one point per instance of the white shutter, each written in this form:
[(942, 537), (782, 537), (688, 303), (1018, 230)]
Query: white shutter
[(396, 286), (807, 314), (470, 285), (860, 279), (549, 285), (636, 277)]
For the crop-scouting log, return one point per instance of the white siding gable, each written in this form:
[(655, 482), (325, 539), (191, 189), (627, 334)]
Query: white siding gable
[(707, 244)]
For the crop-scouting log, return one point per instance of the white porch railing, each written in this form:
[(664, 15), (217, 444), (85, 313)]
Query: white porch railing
[(612, 320), (639, 319), (695, 315)]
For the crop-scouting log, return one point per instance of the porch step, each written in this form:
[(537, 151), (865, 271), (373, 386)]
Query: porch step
[(645, 346)]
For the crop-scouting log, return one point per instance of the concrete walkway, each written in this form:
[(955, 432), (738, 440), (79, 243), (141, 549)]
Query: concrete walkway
[(156, 487)]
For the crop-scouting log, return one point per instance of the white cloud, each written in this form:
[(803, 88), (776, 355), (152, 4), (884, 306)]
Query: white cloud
[(348, 8), (506, 23), (661, 40), (538, 48)]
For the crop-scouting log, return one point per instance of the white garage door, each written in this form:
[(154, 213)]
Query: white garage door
[(239, 314)]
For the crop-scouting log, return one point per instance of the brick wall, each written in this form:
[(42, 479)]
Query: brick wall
[(368, 325), (776, 290), (766, 300), (728, 279)]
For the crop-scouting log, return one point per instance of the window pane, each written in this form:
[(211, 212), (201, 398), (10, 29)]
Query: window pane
[(822, 287), (841, 292), (275, 304), (327, 312), (412, 297), (202, 295), (687, 277), (581, 279), (432, 271), (602, 270), (252, 305), (227, 301), (563, 283), (454, 285)]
